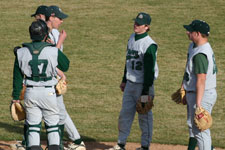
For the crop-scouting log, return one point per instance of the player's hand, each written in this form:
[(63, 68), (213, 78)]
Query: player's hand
[(15, 101), (62, 35), (184, 101), (122, 86), (48, 40)]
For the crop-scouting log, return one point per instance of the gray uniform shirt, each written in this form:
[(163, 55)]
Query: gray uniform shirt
[(190, 77), (135, 58), (48, 62)]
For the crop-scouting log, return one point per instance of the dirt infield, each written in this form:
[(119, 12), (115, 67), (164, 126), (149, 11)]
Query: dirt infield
[(105, 145)]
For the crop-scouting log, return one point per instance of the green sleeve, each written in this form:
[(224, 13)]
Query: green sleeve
[(17, 80), (63, 61), (200, 63), (124, 75), (149, 67)]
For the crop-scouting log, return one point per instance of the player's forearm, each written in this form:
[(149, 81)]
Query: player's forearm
[(124, 80), (17, 81), (59, 44), (149, 67), (61, 74), (200, 88), (62, 37)]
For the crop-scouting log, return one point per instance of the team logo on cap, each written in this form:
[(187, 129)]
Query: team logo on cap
[(140, 16), (60, 10)]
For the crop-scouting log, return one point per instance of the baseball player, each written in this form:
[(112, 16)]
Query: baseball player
[(57, 39), (199, 81), (36, 64), (40, 12), (139, 74), (54, 18)]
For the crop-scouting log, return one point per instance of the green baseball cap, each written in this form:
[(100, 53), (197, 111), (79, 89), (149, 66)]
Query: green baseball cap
[(143, 19), (40, 10), (199, 26), (55, 11)]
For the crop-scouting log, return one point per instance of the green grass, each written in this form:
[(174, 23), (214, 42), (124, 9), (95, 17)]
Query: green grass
[(98, 31)]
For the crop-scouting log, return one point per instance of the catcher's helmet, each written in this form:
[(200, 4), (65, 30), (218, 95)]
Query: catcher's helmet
[(38, 30)]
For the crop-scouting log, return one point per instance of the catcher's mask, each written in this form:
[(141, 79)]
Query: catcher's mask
[(38, 30)]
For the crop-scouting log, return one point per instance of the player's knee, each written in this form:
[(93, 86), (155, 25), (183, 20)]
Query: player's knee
[(50, 129), (34, 127), (31, 129)]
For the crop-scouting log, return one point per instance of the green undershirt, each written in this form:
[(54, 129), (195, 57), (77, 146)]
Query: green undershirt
[(200, 63)]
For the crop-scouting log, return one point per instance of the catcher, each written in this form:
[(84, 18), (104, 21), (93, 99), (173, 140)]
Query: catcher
[(37, 62), (199, 83)]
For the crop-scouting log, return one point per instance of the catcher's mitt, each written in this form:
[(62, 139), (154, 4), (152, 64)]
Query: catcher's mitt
[(144, 104), (17, 111), (61, 87), (203, 119), (179, 96)]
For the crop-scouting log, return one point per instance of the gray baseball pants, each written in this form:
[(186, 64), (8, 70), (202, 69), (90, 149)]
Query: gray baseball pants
[(132, 93), (208, 101)]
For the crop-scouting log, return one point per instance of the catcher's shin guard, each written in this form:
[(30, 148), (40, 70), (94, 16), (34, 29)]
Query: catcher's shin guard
[(31, 128), (61, 133), (50, 130), (25, 130), (192, 143)]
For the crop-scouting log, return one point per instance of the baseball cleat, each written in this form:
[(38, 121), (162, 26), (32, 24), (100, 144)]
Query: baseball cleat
[(74, 146), (116, 147), (17, 146)]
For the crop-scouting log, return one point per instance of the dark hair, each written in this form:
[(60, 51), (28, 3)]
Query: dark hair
[(148, 28), (205, 35), (38, 30)]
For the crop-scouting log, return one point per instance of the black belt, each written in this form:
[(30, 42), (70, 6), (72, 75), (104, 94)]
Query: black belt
[(190, 91), (31, 86), (37, 79)]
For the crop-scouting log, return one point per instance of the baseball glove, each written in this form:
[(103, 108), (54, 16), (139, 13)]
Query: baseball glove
[(61, 87), (144, 104), (17, 111), (179, 96), (203, 119)]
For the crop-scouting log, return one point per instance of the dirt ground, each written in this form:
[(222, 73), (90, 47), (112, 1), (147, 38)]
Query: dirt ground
[(105, 145)]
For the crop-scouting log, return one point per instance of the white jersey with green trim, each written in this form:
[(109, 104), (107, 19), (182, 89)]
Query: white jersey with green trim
[(54, 36), (190, 77), (47, 62), (135, 58)]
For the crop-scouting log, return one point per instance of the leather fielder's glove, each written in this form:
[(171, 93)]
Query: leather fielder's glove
[(17, 111), (203, 119), (144, 104), (61, 87), (179, 96)]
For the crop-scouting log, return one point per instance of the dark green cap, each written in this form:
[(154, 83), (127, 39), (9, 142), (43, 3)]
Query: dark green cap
[(40, 10), (143, 19), (55, 11), (199, 26)]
